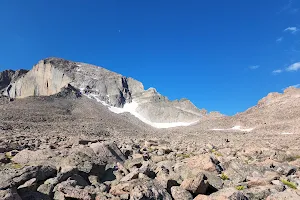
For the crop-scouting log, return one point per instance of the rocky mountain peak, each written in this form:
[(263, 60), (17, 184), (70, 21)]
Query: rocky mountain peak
[(292, 90), (50, 75)]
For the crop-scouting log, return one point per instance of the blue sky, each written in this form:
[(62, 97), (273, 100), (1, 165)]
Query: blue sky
[(222, 55)]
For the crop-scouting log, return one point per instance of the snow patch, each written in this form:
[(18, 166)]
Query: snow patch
[(241, 129), (238, 128), (131, 108), (96, 97), (219, 129), (287, 133)]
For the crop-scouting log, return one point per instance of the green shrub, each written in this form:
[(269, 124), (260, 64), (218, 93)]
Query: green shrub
[(183, 155), (289, 184), (224, 177), (240, 187), (7, 155), (218, 153), (292, 158), (16, 166)]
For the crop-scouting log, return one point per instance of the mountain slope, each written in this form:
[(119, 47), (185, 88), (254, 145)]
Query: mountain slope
[(275, 114)]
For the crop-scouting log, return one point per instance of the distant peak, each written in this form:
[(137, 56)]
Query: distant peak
[(183, 100), (8, 71), (152, 90), (291, 89)]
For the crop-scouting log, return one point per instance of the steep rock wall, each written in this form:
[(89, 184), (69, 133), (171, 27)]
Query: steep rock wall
[(43, 80)]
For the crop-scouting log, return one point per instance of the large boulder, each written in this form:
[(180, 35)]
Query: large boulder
[(237, 171), (108, 151), (9, 194), (11, 177), (180, 194), (141, 189), (262, 192), (287, 194), (68, 189), (228, 194), (197, 185), (93, 158), (81, 161), (27, 156), (192, 166)]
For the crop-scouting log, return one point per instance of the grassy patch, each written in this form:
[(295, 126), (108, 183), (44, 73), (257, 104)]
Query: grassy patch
[(150, 149), (292, 158), (16, 166), (7, 155), (212, 151), (289, 184), (215, 152), (183, 155), (218, 153), (240, 187), (224, 177)]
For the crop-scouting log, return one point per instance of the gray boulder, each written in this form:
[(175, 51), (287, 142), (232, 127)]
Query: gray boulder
[(180, 194), (228, 193), (27, 156), (15, 177), (68, 189), (237, 171), (197, 185), (141, 189), (9, 194), (287, 194), (92, 159)]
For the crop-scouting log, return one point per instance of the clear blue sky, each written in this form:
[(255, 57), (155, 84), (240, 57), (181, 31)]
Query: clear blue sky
[(219, 54)]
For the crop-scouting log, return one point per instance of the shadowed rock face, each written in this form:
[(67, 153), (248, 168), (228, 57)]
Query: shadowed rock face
[(7, 76), (50, 75)]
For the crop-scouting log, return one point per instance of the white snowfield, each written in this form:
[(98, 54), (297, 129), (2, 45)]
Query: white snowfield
[(94, 96), (131, 108), (287, 133), (238, 128)]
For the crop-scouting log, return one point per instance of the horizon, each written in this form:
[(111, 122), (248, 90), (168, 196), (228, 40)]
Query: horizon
[(226, 62)]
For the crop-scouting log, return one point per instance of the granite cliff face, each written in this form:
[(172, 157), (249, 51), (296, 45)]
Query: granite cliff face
[(43, 80), (50, 75)]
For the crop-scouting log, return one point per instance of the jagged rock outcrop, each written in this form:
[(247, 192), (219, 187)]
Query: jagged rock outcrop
[(275, 107), (50, 75)]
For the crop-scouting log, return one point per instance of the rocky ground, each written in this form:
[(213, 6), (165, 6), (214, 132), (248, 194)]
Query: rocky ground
[(63, 147), (89, 168)]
